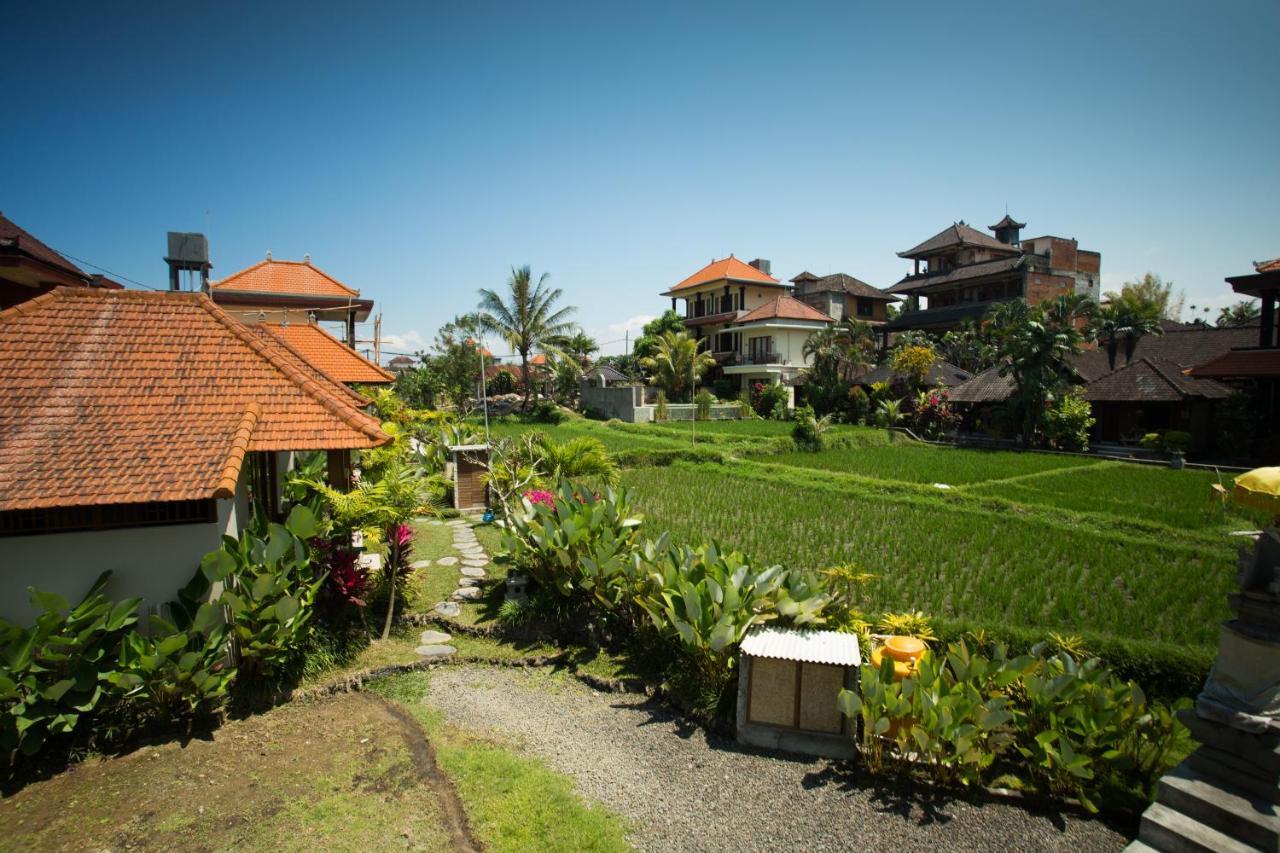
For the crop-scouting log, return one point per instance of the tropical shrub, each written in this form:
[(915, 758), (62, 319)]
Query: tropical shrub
[(660, 406), (1151, 441), (932, 415), (769, 400), (702, 402), (1177, 441), (53, 674), (270, 585), (858, 406), (913, 361), (502, 383), (1067, 423), (545, 412), (707, 599), (912, 624), (809, 429), (888, 413), (573, 542), (1041, 720)]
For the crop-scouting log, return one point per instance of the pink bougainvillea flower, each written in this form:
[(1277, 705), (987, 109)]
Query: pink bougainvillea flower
[(540, 496)]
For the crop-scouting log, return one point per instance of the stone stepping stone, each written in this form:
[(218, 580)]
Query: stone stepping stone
[(435, 651), (447, 561), (419, 564), (434, 638), (472, 549), (467, 583), (472, 572), (448, 608), (465, 543), (475, 562), (465, 593), (456, 522)]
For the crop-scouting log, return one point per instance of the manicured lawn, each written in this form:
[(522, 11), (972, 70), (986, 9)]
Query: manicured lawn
[(951, 557)]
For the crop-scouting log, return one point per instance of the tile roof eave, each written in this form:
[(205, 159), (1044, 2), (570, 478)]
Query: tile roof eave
[(348, 415), (240, 440), (350, 394)]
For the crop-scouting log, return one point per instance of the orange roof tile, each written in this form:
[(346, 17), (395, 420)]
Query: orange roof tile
[(784, 308), (729, 268), (293, 278), (130, 396), (330, 355), (284, 351)]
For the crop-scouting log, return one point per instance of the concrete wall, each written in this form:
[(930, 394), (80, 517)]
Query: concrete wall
[(148, 562), (618, 401)]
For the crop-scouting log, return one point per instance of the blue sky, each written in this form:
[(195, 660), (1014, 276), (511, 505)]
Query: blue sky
[(417, 150)]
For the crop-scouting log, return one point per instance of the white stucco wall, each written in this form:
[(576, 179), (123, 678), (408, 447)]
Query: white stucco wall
[(150, 562)]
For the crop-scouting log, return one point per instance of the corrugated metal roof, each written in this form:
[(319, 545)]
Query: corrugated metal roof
[(810, 646)]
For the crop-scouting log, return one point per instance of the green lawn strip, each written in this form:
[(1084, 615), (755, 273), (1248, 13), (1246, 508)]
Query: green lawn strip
[(435, 583), (1134, 530), (949, 558), (514, 802), (1035, 475)]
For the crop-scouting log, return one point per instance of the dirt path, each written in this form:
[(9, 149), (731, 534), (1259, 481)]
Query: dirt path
[(684, 790), (349, 772), (424, 759)]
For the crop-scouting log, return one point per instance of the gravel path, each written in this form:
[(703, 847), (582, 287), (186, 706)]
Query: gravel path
[(685, 790)]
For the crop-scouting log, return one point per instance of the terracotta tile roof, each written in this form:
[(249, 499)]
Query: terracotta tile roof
[(1272, 265), (729, 268), (293, 278), (330, 355), (16, 238), (1241, 364), (805, 276), (956, 235), (1007, 222), (130, 396), (785, 308), (1152, 380), (283, 350)]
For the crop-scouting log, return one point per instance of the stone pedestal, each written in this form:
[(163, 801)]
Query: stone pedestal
[(1226, 795)]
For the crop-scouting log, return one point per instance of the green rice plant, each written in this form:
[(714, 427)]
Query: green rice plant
[(949, 557)]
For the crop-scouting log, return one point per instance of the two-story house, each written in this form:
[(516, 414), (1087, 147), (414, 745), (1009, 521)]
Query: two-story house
[(841, 296), (752, 325), (960, 272)]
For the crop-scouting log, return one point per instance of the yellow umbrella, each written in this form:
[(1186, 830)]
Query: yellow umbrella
[(1260, 489)]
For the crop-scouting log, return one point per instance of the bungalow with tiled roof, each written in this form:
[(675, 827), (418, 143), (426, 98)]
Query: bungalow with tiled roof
[(750, 322), (29, 268), (139, 428), (291, 292)]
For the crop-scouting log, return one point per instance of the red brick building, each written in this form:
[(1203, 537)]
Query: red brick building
[(960, 272)]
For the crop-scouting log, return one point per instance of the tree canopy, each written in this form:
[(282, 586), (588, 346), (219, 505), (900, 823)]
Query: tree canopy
[(526, 318)]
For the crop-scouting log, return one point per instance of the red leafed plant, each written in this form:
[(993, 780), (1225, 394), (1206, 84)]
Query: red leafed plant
[(348, 580)]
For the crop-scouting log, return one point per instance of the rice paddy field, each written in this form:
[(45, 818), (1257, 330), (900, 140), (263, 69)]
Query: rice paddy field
[(1052, 543)]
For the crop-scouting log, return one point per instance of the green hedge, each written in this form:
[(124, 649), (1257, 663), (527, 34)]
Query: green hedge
[(648, 457), (1164, 671)]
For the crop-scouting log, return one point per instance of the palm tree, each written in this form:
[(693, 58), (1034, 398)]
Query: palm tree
[(527, 320), (1242, 313), (581, 346), (677, 362), (1123, 322)]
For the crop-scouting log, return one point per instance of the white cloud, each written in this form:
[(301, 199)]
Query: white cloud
[(408, 342)]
